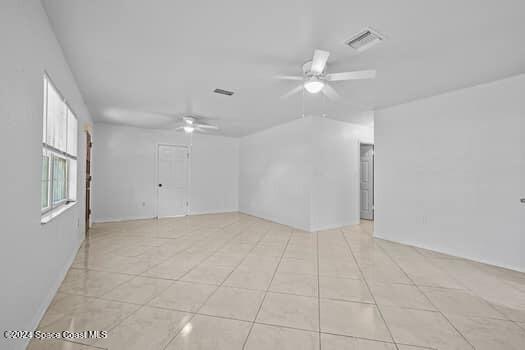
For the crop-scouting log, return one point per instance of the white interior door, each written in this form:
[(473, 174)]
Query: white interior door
[(367, 182), (172, 177)]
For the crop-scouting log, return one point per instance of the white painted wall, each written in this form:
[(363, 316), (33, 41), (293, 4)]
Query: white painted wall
[(303, 173), (124, 172), (275, 173), (33, 257), (447, 173), (336, 161)]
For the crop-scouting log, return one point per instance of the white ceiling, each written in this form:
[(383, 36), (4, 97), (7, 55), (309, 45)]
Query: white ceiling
[(140, 62)]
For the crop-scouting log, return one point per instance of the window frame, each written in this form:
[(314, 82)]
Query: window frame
[(52, 152)]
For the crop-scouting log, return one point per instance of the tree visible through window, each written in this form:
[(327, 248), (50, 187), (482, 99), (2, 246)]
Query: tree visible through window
[(59, 150)]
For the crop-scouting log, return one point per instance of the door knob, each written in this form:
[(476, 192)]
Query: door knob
[(160, 185), (522, 200)]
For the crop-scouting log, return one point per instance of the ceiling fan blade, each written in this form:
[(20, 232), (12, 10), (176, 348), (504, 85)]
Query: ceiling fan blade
[(319, 61), (330, 92), (359, 74), (206, 126), (288, 77), (204, 131), (293, 91)]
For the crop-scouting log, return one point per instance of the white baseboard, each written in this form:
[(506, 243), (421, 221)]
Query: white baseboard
[(272, 219), (451, 253), (51, 292)]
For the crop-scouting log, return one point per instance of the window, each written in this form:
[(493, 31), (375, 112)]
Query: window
[(59, 151)]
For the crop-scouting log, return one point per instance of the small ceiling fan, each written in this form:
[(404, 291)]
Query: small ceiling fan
[(191, 123), (315, 77)]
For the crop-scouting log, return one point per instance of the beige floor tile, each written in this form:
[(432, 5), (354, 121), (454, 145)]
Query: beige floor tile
[(294, 283), (344, 289), (183, 296), (515, 313), (224, 260), (61, 305), (336, 342), (353, 319), (290, 311), (259, 280), (55, 344), (172, 269), (401, 295), (341, 269), (207, 274), (302, 266), (423, 328), (207, 247), (490, 334), (138, 290), (458, 302), (92, 314), (91, 283), (148, 328), (263, 337), (382, 274), (241, 304), (206, 332)]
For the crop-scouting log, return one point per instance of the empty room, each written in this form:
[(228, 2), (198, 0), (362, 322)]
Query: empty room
[(252, 175)]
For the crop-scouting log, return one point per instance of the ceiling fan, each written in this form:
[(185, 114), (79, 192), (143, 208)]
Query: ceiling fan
[(191, 123), (315, 77)]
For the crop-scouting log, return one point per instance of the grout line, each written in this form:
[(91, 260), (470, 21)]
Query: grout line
[(421, 291), (472, 292), (143, 305), (266, 291), (224, 280), (369, 289)]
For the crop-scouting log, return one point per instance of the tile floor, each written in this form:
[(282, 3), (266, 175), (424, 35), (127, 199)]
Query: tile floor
[(232, 281)]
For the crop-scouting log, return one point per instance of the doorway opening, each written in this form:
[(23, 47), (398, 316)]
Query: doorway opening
[(172, 181), (366, 191)]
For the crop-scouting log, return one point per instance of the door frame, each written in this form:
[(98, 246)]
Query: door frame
[(188, 173), (373, 178), (87, 185)]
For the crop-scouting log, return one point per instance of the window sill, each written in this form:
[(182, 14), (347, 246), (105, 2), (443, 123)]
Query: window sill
[(47, 217)]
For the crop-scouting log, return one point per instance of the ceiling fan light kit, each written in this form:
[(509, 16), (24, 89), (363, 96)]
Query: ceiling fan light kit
[(313, 85), (192, 124)]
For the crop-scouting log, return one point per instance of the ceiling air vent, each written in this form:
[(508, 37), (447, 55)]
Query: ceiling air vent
[(223, 92), (365, 39)]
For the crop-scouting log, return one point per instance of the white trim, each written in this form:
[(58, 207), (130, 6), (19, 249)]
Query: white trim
[(450, 252), (53, 213), (53, 290)]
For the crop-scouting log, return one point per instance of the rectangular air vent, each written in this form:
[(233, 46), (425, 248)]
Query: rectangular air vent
[(365, 39), (223, 92)]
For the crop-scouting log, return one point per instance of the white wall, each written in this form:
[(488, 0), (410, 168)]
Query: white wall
[(275, 173), (447, 173), (33, 257), (336, 161), (124, 172), (303, 173)]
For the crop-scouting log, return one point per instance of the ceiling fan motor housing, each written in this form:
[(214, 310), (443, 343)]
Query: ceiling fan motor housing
[(307, 71)]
